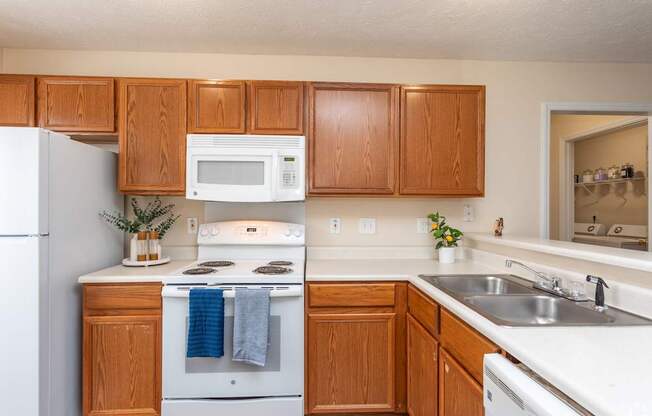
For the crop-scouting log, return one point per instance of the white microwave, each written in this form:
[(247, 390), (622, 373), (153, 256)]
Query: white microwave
[(245, 168)]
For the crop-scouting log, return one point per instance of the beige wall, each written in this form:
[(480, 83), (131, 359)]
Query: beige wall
[(563, 126), (515, 91), (622, 203)]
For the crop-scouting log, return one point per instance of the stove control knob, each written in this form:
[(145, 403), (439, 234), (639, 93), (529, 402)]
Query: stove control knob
[(215, 231), (203, 232), (298, 233)]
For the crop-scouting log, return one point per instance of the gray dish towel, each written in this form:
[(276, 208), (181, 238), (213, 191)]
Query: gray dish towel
[(251, 326)]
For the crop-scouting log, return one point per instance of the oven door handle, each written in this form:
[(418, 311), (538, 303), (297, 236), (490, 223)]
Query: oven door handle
[(229, 292)]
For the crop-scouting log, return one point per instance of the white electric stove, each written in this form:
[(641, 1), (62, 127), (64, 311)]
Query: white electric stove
[(238, 254)]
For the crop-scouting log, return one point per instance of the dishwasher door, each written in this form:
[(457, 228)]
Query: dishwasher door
[(508, 391)]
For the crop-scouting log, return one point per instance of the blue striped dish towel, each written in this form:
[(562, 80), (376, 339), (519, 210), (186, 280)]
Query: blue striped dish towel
[(205, 323)]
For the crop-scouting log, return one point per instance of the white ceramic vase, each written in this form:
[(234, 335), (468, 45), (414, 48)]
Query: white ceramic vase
[(446, 254)]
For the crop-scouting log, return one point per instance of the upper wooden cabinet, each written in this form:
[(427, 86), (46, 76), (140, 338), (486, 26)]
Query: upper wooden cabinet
[(17, 100), (152, 136), (216, 106), (353, 133), (442, 140), (76, 104), (276, 107)]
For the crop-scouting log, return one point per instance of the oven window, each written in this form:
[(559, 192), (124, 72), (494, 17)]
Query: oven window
[(229, 172)]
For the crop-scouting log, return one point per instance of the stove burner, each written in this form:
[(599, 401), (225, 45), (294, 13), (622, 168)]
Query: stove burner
[(280, 263), (272, 270), (217, 263), (199, 270)]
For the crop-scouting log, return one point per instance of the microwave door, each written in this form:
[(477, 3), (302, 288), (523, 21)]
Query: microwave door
[(232, 177)]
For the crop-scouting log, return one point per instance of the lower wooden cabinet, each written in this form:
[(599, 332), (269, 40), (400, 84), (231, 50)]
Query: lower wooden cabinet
[(122, 350), (459, 393), (422, 365), (356, 348)]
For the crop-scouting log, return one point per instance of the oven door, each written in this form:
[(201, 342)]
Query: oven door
[(185, 378), (232, 175)]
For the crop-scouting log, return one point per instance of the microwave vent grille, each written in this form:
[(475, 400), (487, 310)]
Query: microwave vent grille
[(274, 142)]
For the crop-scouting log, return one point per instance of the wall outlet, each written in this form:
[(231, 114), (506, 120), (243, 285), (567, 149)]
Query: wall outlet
[(367, 226), (423, 225), (191, 226), (469, 214), (334, 225)]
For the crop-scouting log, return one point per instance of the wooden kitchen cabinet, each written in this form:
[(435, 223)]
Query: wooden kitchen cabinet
[(121, 349), (353, 138), (216, 106), (76, 104), (422, 367), (17, 96), (442, 140), (276, 107), (152, 136), (459, 393), (355, 350)]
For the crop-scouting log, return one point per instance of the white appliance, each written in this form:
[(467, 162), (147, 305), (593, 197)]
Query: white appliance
[(51, 191), (242, 254), (633, 237), (245, 168), (508, 391)]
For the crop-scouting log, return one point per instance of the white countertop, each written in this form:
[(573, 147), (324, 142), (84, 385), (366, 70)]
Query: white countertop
[(123, 274), (605, 369)]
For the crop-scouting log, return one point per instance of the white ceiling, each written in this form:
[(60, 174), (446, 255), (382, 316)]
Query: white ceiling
[(549, 30)]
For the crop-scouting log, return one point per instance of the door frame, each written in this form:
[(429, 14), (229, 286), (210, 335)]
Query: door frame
[(547, 109)]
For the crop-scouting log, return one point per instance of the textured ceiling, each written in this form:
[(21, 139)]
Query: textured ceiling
[(549, 30)]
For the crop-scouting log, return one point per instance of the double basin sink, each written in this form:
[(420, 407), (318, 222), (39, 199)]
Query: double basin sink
[(511, 301)]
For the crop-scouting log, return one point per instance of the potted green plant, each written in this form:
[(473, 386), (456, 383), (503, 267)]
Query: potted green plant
[(154, 220), (445, 236)]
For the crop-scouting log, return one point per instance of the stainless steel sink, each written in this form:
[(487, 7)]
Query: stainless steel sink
[(474, 284), (511, 301)]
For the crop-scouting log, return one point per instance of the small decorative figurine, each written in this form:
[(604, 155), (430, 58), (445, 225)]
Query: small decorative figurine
[(498, 227)]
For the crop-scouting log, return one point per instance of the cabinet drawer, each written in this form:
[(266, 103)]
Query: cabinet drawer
[(465, 344), (122, 296), (332, 294), (425, 310)]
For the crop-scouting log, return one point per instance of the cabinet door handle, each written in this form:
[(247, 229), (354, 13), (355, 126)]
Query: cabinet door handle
[(446, 368), (434, 356)]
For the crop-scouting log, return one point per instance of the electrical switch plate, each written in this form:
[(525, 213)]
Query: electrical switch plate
[(192, 226), (334, 225), (469, 215), (367, 226), (423, 225)]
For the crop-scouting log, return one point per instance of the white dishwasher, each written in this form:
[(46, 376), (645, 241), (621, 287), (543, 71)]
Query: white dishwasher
[(508, 391)]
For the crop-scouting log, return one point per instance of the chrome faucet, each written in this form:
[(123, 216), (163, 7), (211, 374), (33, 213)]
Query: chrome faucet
[(550, 284)]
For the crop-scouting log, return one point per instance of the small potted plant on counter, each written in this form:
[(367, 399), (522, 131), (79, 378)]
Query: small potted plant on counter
[(445, 236), (146, 230)]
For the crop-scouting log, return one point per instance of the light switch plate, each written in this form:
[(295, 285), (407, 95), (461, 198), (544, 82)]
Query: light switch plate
[(192, 226), (423, 225), (367, 226), (469, 214), (334, 225)]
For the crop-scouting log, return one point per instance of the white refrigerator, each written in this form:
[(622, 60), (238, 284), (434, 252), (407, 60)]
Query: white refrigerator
[(51, 191)]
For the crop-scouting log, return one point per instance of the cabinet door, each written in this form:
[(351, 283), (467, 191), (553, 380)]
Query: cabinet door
[(442, 140), (17, 100), (351, 364), (216, 106), (353, 138), (422, 368), (122, 365), (276, 107), (459, 393), (76, 104), (152, 136)]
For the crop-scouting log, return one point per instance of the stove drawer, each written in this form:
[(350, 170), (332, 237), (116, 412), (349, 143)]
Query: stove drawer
[(275, 406)]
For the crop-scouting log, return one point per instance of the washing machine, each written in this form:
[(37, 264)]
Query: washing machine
[(632, 237)]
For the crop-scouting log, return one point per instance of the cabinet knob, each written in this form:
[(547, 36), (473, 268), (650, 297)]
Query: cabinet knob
[(446, 368), (434, 356)]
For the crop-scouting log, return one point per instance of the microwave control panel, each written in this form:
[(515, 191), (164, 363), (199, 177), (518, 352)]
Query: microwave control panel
[(289, 171)]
